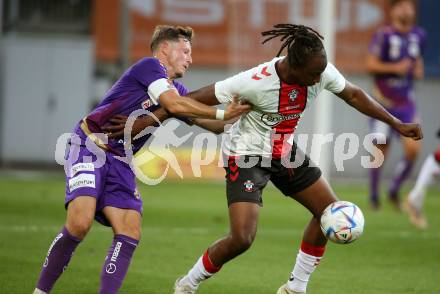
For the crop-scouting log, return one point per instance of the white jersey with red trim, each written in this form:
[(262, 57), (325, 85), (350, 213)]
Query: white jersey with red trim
[(277, 108)]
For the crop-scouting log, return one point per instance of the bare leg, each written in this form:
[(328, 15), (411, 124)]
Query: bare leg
[(315, 198), (243, 217)]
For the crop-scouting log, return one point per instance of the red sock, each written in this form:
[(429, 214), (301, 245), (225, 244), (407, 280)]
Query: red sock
[(209, 266), (437, 156), (313, 250)]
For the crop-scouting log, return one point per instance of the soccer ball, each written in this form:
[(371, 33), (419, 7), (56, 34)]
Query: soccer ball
[(342, 222)]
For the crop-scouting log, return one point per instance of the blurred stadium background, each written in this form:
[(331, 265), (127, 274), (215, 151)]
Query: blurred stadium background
[(57, 59)]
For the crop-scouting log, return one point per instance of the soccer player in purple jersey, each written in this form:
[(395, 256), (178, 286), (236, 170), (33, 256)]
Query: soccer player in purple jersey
[(279, 91), (395, 60), (99, 185)]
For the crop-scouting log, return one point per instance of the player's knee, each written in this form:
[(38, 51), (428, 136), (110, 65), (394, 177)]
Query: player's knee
[(411, 153), (135, 232), (242, 241), (130, 230), (79, 227)]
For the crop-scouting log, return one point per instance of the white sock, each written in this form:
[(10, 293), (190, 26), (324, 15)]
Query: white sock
[(38, 291), (198, 273), (429, 169), (304, 267)]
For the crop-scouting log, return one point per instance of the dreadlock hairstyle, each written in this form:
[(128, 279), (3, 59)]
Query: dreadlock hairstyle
[(301, 42)]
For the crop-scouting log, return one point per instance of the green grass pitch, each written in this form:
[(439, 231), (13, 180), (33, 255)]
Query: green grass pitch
[(181, 219)]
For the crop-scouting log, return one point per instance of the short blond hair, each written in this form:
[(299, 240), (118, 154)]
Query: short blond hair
[(170, 33)]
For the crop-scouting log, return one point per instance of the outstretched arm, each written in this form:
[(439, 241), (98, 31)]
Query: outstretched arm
[(215, 126), (185, 106), (375, 65), (205, 95), (357, 98), (116, 129)]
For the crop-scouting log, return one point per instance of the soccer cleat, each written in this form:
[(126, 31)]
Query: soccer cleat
[(415, 215), (182, 289), (284, 290), (38, 291)]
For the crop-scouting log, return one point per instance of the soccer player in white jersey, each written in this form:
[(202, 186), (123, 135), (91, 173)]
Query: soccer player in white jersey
[(279, 91), (416, 197)]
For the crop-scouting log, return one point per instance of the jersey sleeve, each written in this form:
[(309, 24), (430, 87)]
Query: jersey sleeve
[(181, 88), (240, 84), (148, 70), (152, 75), (332, 80)]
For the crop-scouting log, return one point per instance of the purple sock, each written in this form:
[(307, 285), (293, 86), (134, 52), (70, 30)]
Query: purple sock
[(116, 264), (374, 185), (57, 259), (402, 172)]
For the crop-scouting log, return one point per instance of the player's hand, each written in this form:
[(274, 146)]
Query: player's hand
[(116, 129), (403, 67), (235, 108), (410, 130)]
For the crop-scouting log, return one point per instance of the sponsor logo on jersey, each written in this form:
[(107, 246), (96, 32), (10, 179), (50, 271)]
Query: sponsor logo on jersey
[(293, 107), (273, 119), (82, 181), (249, 186), (147, 104), (81, 167)]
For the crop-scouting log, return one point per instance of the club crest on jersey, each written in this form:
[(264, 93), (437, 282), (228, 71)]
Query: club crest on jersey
[(136, 193), (293, 94), (147, 104), (248, 186)]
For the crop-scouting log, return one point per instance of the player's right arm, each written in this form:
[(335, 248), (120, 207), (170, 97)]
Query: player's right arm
[(376, 66), (374, 63), (184, 106)]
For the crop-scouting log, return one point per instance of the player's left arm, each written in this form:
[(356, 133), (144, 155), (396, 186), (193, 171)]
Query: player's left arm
[(215, 126), (205, 95), (360, 100)]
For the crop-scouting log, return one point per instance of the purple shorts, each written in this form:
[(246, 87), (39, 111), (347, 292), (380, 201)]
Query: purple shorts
[(406, 114), (104, 177)]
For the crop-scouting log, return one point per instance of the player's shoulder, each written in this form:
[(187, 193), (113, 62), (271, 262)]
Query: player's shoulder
[(149, 63), (264, 72), (419, 31), (180, 88), (385, 31), (330, 70)]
